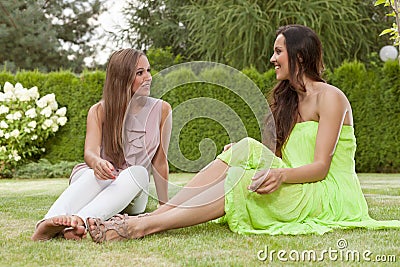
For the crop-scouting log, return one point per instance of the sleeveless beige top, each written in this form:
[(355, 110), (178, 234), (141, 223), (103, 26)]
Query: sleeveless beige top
[(141, 137)]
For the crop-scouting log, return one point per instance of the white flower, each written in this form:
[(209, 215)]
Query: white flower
[(33, 93), (18, 86), (54, 128), (32, 124), (17, 116), (10, 117), (14, 133), (14, 116), (4, 109), (8, 87), (53, 105), (3, 124), (31, 113), (10, 96), (62, 121), (46, 112), (22, 111), (46, 124), (14, 155), (61, 111), (22, 95), (49, 98), (41, 103)]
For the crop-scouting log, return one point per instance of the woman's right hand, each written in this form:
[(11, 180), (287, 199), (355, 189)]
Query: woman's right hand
[(103, 170)]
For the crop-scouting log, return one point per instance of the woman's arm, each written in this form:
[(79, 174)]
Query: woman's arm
[(332, 107), (102, 168), (160, 161)]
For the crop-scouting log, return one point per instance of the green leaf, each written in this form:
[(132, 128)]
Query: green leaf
[(392, 14), (386, 31), (380, 2)]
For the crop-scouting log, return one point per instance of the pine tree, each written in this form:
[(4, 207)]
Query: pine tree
[(47, 35)]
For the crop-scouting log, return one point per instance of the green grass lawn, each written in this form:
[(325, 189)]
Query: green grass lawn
[(23, 202)]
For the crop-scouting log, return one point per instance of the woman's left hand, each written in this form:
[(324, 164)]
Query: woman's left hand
[(270, 180)]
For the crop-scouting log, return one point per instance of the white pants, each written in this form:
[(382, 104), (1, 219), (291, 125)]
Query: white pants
[(88, 196)]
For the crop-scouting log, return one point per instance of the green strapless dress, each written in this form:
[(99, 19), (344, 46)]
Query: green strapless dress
[(335, 202)]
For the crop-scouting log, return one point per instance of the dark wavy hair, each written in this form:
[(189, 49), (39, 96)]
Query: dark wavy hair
[(305, 58)]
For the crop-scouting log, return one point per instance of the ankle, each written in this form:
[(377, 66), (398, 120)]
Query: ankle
[(137, 227)]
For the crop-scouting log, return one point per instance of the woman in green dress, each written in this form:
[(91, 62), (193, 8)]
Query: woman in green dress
[(308, 185)]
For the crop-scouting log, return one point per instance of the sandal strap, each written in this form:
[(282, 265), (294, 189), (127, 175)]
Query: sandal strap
[(118, 217), (99, 233)]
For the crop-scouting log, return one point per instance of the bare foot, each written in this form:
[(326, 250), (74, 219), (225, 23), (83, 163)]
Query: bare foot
[(76, 233), (113, 230), (49, 228)]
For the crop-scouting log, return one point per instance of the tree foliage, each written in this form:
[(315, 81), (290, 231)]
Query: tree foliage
[(47, 35), (393, 31), (241, 32), (155, 23)]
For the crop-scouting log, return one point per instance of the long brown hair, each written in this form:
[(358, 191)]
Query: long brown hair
[(117, 92), (305, 58)]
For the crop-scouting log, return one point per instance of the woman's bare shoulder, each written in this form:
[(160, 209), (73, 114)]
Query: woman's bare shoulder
[(330, 93), (166, 107), (331, 101), (96, 107), (96, 111)]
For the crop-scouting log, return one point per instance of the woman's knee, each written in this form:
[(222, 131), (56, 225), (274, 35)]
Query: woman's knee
[(138, 174), (248, 141), (81, 173)]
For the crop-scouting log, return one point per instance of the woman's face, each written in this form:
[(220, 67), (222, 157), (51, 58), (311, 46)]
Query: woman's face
[(280, 59), (142, 82)]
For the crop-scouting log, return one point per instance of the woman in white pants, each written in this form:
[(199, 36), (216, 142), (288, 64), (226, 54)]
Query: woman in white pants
[(120, 151)]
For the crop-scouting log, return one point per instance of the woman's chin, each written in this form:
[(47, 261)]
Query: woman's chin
[(281, 78)]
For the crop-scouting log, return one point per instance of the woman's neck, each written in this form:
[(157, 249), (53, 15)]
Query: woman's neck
[(137, 103)]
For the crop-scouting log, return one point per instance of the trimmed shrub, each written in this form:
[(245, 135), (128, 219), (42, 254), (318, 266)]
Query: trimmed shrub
[(373, 93)]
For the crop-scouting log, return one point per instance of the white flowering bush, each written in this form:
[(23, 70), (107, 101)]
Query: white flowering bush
[(26, 122)]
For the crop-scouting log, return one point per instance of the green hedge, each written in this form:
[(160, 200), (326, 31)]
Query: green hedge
[(374, 96), (373, 93), (216, 112)]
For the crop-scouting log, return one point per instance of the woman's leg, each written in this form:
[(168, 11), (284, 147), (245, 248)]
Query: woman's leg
[(239, 155), (139, 203), (74, 197), (206, 178), (129, 184), (188, 214), (77, 195)]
